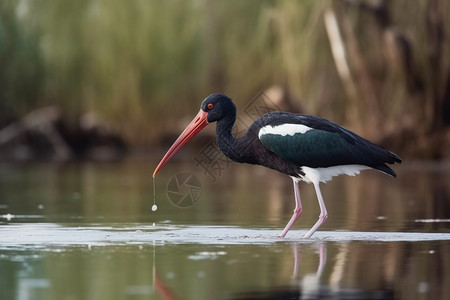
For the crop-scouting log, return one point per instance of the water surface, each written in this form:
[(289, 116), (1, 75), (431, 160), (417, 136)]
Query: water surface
[(86, 231)]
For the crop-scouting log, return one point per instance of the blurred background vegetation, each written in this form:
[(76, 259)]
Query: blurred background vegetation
[(380, 68)]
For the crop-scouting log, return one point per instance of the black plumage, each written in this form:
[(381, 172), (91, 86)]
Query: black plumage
[(326, 145)]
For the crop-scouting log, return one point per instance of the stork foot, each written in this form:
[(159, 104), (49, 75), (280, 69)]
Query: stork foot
[(322, 219)]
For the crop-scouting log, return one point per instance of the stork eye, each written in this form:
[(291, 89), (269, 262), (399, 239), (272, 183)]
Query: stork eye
[(210, 105)]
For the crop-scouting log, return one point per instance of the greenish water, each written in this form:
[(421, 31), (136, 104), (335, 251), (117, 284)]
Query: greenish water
[(87, 231)]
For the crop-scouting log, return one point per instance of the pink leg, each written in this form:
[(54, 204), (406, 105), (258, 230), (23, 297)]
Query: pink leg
[(323, 212), (297, 209)]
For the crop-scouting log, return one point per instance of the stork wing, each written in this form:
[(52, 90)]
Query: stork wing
[(315, 142)]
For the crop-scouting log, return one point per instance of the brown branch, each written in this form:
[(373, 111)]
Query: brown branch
[(41, 120), (340, 59)]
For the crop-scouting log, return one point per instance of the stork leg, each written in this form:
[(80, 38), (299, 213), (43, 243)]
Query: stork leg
[(323, 212), (297, 209)]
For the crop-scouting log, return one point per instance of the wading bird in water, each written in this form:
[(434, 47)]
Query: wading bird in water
[(304, 147)]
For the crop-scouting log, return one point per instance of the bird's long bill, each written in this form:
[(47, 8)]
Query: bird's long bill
[(191, 130)]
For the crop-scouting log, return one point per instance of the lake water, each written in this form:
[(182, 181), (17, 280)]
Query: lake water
[(87, 231)]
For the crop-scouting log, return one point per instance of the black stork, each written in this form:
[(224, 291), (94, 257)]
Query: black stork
[(304, 147)]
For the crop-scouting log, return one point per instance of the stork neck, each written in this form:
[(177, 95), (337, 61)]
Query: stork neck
[(224, 129), (225, 139)]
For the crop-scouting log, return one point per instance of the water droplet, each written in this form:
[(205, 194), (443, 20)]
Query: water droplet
[(154, 207)]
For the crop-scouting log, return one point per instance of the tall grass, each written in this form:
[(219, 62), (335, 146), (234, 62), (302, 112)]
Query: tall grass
[(143, 64)]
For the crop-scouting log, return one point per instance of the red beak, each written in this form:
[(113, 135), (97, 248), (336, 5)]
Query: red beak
[(197, 124)]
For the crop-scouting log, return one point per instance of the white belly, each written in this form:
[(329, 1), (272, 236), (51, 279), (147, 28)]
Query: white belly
[(316, 175)]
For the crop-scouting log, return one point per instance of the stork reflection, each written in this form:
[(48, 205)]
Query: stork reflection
[(322, 251), (308, 287)]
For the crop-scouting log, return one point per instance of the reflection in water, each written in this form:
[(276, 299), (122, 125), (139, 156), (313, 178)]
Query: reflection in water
[(338, 270), (322, 259), (160, 286), (138, 265), (162, 289), (303, 270), (311, 282), (307, 288), (311, 285)]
